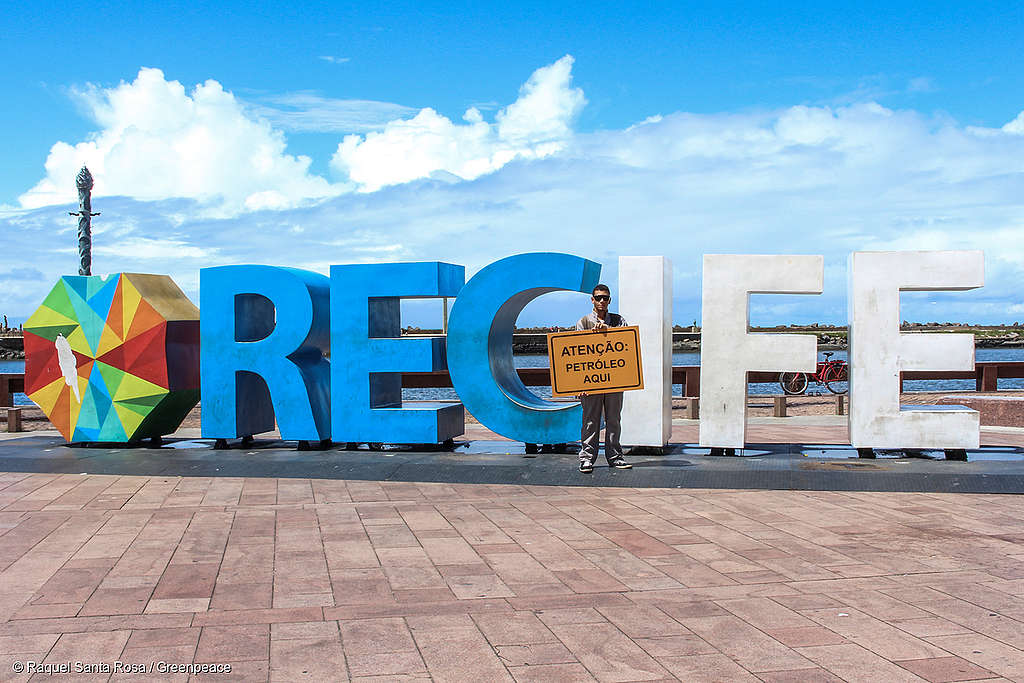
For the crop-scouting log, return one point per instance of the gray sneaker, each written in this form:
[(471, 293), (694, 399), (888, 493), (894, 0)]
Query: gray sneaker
[(619, 463), (586, 467)]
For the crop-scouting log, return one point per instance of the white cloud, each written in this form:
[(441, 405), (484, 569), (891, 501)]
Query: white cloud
[(150, 249), (546, 107), (158, 141), (536, 125), (331, 59), (818, 180), (1016, 126), (310, 112)]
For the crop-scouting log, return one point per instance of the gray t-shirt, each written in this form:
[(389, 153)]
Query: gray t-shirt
[(589, 322)]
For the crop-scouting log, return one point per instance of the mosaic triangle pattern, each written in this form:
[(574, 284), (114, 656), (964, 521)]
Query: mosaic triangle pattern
[(113, 359)]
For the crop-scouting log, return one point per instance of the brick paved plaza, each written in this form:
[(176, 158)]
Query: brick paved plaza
[(297, 579)]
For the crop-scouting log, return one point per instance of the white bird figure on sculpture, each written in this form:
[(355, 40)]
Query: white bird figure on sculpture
[(66, 360)]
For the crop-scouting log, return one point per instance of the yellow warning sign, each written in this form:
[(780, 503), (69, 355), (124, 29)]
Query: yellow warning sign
[(595, 362)]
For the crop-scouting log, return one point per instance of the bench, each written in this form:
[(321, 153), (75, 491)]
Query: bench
[(691, 406), (779, 405)]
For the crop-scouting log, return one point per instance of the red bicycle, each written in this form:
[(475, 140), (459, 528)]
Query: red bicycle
[(834, 374)]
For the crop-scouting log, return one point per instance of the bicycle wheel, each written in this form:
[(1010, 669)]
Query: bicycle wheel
[(793, 383), (837, 379)]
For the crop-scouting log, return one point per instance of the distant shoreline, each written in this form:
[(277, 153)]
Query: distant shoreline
[(533, 340)]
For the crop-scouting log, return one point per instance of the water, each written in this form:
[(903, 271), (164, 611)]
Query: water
[(693, 358), (687, 358)]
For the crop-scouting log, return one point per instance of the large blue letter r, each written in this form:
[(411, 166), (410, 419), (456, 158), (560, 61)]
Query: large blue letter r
[(263, 334)]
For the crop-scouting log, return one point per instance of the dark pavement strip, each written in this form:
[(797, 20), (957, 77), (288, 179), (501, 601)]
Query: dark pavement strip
[(764, 466)]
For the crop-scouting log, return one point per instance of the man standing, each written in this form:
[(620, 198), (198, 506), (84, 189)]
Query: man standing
[(608, 404)]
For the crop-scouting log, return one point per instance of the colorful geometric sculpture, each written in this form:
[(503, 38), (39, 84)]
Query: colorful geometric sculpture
[(115, 358)]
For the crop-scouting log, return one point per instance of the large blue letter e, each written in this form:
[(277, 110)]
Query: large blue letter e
[(368, 354)]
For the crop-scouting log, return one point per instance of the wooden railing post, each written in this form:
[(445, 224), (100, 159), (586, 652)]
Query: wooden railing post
[(989, 378), (780, 406), (14, 419), (692, 380), (692, 411)]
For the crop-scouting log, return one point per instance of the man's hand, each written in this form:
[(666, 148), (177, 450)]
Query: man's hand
[(600, 326), (582, 394)]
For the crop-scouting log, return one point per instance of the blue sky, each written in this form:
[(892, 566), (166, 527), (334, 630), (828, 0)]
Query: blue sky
[(603, 129)]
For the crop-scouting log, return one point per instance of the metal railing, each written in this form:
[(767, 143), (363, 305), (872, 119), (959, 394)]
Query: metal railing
[(985, 376)]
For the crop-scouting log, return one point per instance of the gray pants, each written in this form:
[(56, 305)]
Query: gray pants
[(593, 407)]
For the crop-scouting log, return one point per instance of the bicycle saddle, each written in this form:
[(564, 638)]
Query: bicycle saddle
[(828, 354)]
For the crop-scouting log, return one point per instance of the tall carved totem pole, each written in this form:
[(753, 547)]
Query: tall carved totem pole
[(84, 183)]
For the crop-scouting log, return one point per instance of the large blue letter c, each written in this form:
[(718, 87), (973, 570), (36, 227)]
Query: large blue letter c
[(480, 345)]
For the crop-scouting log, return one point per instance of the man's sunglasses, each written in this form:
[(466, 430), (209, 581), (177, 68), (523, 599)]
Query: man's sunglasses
[(602, 297)]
